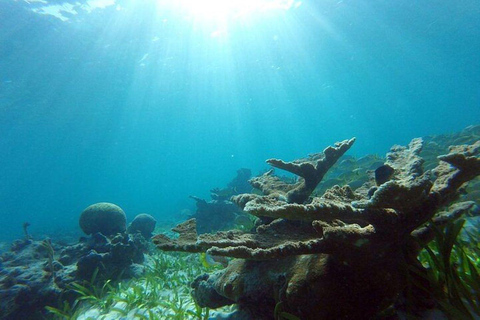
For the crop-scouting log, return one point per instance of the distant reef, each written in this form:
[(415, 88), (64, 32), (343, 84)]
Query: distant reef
[(221, 213), (39, 273), (324, 250)]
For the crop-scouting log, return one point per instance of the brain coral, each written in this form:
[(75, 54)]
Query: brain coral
[(144, 224), (106, 218)]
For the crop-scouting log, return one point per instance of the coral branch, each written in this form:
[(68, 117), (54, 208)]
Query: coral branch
[(340, 220), (346, 248), (276, 240), (426, 234), (186, 241), (319, 209), (311, 170), (268, 183), (281, 251), (462, 164)]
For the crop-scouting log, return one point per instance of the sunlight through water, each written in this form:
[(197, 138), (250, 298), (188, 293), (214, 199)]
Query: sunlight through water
[(225, 9)]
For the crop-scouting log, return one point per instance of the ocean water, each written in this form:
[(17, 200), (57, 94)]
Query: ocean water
[(143, 103)]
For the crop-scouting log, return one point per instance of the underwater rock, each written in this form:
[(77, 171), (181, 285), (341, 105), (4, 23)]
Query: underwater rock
[(106, 218), (343, 255), (113, 257), (37, 273), (30, 279), (128, 249), (19, 244), (144, 224), (88, 263), (99, 242), (12, 299), (205, 295)]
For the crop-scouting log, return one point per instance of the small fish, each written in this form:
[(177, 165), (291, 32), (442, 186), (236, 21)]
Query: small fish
[(209, 261)]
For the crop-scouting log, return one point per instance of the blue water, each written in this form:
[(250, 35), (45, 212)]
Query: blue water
[(143, 103)]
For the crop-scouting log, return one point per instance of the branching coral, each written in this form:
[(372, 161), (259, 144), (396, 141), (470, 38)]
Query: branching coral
[(359, 244), (310, 170)]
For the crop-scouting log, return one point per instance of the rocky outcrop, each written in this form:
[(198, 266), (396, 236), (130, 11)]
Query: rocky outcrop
[(35, 274)]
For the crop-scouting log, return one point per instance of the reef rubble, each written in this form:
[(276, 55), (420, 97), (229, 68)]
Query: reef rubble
[(344, 254)]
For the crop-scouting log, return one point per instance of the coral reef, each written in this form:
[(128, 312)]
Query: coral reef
[(144, 224), (220, 212), (112, 257), (237, 185), (352, 171), (38, 273), (31, 277), (34, 274), (356, 171), (343, 255), (240, 183), (310, 170), (106, 218), (215, 214)]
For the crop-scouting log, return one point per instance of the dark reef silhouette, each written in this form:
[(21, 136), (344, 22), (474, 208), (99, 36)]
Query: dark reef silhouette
[(220, 213)]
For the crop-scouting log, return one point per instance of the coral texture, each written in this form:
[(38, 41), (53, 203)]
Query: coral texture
[(35, 274), (144, 224), (310, 170), (106, 218), (343, 255)]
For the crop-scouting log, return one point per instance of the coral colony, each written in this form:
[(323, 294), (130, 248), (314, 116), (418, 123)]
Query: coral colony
[(368, 238), (342, 255)]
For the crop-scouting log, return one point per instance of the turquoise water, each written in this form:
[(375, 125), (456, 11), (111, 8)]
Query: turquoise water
[(143, 103)]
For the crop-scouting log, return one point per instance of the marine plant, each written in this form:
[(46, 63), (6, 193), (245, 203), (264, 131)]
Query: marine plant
[(452, 271), (65, 310), (47, 245), (162, 292), (93, 292), (25, 226)]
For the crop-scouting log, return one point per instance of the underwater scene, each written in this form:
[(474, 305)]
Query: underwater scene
[(239, 159)]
